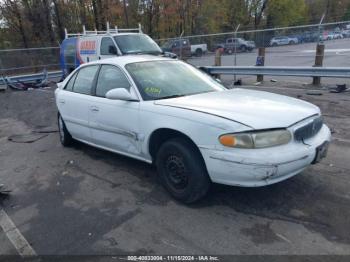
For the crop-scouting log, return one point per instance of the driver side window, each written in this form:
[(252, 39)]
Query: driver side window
[(110, 77), (107, 46)]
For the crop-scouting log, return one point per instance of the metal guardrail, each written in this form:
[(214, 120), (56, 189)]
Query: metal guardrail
[(33, 77), (338, 72)]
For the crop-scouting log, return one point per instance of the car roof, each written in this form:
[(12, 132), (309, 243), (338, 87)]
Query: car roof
[(103, 35), (128, 59), (126, 34)]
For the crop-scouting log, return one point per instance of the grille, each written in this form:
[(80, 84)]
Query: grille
[(309, 130)]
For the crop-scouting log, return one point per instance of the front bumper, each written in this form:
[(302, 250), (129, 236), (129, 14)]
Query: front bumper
[(261, 167)]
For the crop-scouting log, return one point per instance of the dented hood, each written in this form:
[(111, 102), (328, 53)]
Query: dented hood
[(257, 109)]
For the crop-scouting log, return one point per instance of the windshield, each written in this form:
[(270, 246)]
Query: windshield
[(167, 79), (137, 43)]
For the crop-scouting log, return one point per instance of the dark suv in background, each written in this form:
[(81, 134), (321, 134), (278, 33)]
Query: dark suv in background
[(180, 47), (238, 44)]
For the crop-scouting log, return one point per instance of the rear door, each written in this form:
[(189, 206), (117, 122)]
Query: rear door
[(114, 123), (74, 102)]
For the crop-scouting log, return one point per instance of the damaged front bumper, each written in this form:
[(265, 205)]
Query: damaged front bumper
[(261, 167)]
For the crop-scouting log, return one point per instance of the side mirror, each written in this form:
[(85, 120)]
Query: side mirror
[(170, 55), (120, 94), (112, 50)]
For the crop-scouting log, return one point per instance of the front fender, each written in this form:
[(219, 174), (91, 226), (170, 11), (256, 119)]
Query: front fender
[(203, 129)]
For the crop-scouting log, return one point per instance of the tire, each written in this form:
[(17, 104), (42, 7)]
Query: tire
[(274, 44), (182, 170), (230, 51), (243, 48), (65, 138), (199, 52), (292, 43)]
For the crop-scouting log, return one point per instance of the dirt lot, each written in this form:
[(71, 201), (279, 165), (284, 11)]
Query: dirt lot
[(82, 200)]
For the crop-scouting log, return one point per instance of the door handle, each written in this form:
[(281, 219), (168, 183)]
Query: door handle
[(62, 101), (94, 109)]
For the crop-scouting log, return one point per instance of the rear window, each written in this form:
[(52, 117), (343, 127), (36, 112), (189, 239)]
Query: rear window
[(84, 80), (69, 85)]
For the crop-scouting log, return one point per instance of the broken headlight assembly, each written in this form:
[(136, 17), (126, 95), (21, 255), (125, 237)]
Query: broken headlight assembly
[(256, 139)]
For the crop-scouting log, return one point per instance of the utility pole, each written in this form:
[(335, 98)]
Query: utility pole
[(181, 44), (319, 51), (235, 43)]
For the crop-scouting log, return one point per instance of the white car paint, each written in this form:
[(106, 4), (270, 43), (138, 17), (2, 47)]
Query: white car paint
[(92, 44), (126, 127)]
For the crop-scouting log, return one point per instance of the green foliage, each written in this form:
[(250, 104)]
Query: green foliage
[(347, 14), (30, 23), (286, 13)]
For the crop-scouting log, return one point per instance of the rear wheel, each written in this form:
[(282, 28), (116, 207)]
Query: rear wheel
[(65, 138), (199, 52), (182, 170)]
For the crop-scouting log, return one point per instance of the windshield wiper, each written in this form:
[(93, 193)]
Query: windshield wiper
[(168, 97), (175, 96), (143, 53)]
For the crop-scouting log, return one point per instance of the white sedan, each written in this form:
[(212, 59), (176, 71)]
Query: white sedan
[(195, 131)]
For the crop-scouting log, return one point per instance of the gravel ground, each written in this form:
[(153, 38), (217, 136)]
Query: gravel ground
[(82, 200)]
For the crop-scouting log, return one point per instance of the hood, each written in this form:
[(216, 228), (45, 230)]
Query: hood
[(256, 109)]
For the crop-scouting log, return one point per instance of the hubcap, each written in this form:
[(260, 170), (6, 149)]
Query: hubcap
[(176, 172)]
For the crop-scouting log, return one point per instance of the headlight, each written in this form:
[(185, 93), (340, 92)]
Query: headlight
[(258, 139)]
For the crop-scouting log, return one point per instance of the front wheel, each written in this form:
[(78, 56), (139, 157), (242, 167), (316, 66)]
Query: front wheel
[(243, 48), (65, 138), (182, 170)]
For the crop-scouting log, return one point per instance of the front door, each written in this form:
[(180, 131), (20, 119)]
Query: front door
[(114, 123)]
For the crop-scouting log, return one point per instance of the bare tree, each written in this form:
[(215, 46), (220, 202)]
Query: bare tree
[(10, 10), (126, 13)]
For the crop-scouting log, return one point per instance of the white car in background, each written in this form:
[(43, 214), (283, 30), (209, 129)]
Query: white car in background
[(335, 35), (192, 128), (283, 40), (331, 36)]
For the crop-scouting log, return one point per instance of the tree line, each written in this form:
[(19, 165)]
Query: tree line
[(32, 23)]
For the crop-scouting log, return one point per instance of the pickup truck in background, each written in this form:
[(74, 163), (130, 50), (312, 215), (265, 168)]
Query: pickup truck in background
[(175, 46), (199, 50), (238, 44)]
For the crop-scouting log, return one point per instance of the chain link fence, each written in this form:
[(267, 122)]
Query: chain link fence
[(28, 61), (293, 46), (288, 46)]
